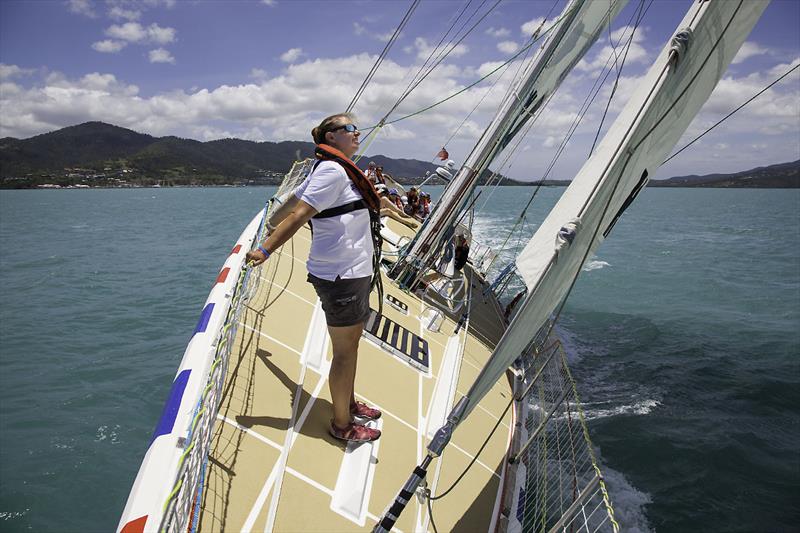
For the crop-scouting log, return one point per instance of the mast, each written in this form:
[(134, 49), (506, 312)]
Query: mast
[(573, 34), (652, 122)]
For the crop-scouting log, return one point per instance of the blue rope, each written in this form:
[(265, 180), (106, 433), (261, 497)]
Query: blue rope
[(200, 485)]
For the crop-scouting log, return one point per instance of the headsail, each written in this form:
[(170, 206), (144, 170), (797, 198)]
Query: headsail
[(576, 29), (672, 93)]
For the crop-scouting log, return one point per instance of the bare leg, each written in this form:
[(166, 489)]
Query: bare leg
[(342, 374)]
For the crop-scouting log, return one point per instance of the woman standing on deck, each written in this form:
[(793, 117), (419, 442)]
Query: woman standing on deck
[(338, 196)]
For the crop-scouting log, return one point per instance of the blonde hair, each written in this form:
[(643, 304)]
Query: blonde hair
[(318, 133)]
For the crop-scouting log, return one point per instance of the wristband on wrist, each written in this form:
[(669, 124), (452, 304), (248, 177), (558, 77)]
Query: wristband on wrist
[(264, 251)]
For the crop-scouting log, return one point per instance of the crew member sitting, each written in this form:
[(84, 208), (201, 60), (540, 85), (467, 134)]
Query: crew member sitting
[(412, 199)]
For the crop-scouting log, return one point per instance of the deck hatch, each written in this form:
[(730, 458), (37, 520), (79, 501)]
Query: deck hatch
[(398, 340)]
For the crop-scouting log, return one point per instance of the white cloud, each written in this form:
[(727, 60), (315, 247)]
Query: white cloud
[(157, 34), (360, 30), (507, 47), (109, 46), (130, 31), (533, 25), (120, 13), (270, 3), (258, 73), (12, 71), (82, 7), (749, 49), (160, 55), (621, 35), (286, 106), (136, 33), (783, 68), (291, 55), (498, 32), (605, 56), (424, 49), (156, 3)]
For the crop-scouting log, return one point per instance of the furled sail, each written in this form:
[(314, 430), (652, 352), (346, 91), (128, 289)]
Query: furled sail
[(672, 93), (573, 33)]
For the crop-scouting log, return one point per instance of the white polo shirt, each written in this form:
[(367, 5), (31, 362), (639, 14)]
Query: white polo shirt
[(341, 245)]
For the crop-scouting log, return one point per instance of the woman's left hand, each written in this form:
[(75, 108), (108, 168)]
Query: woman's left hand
[(256, 257)]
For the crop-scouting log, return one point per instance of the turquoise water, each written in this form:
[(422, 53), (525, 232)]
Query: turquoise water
[(682, 332)]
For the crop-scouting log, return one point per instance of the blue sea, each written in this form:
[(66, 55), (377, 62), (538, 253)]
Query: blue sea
[(683, 334)]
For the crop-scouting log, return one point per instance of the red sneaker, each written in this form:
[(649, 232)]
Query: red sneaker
[(363, 411), (354, 433)]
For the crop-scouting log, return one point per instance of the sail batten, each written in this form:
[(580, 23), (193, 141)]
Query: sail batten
[(649, 126)]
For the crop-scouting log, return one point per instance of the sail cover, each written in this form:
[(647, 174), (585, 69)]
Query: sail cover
[(649, 126)]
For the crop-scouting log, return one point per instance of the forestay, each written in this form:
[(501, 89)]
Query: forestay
[(672, 93)]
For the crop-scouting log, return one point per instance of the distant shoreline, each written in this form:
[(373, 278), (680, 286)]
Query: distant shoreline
[(654, 184), (99, 155)]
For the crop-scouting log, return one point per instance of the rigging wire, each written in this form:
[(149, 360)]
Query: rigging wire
[(473, 84), (552, 324), (382, 55), (593, 92), (439, 51), (631, 151), (418, 76), (440, 59), (438, 45), (496, 81), (759, 93), (579, 117), (619, 73)]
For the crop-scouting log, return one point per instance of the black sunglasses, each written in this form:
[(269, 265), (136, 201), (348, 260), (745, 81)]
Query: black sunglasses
[(350, 128)]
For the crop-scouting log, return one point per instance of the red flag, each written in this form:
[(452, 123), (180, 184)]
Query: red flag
[(443, 155)]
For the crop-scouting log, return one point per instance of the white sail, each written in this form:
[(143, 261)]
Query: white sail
[(672, 93), (578, 27)]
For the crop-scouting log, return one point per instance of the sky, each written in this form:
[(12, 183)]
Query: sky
[(270, 70)]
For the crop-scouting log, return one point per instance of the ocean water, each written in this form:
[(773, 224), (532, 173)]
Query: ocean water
[(683, 334)]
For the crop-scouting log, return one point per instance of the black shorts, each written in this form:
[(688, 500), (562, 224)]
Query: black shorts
[(345, 301)]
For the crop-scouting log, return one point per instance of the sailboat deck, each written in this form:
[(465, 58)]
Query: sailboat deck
[(273, 466)]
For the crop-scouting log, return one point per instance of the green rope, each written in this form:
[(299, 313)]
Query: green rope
[(603, 490)]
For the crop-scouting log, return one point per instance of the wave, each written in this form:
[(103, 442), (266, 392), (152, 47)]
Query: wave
[(627, 501), (643, 407), (11, 515), (104, 433), (594, 265)]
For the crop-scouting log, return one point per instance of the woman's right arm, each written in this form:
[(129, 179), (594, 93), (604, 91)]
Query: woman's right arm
[(286, 229)]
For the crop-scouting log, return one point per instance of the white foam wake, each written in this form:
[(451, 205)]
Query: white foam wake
[(639, 408), (627, 501), (594, 265)]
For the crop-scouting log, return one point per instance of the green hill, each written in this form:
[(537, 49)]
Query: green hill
[(780, 176), (100, 154)]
